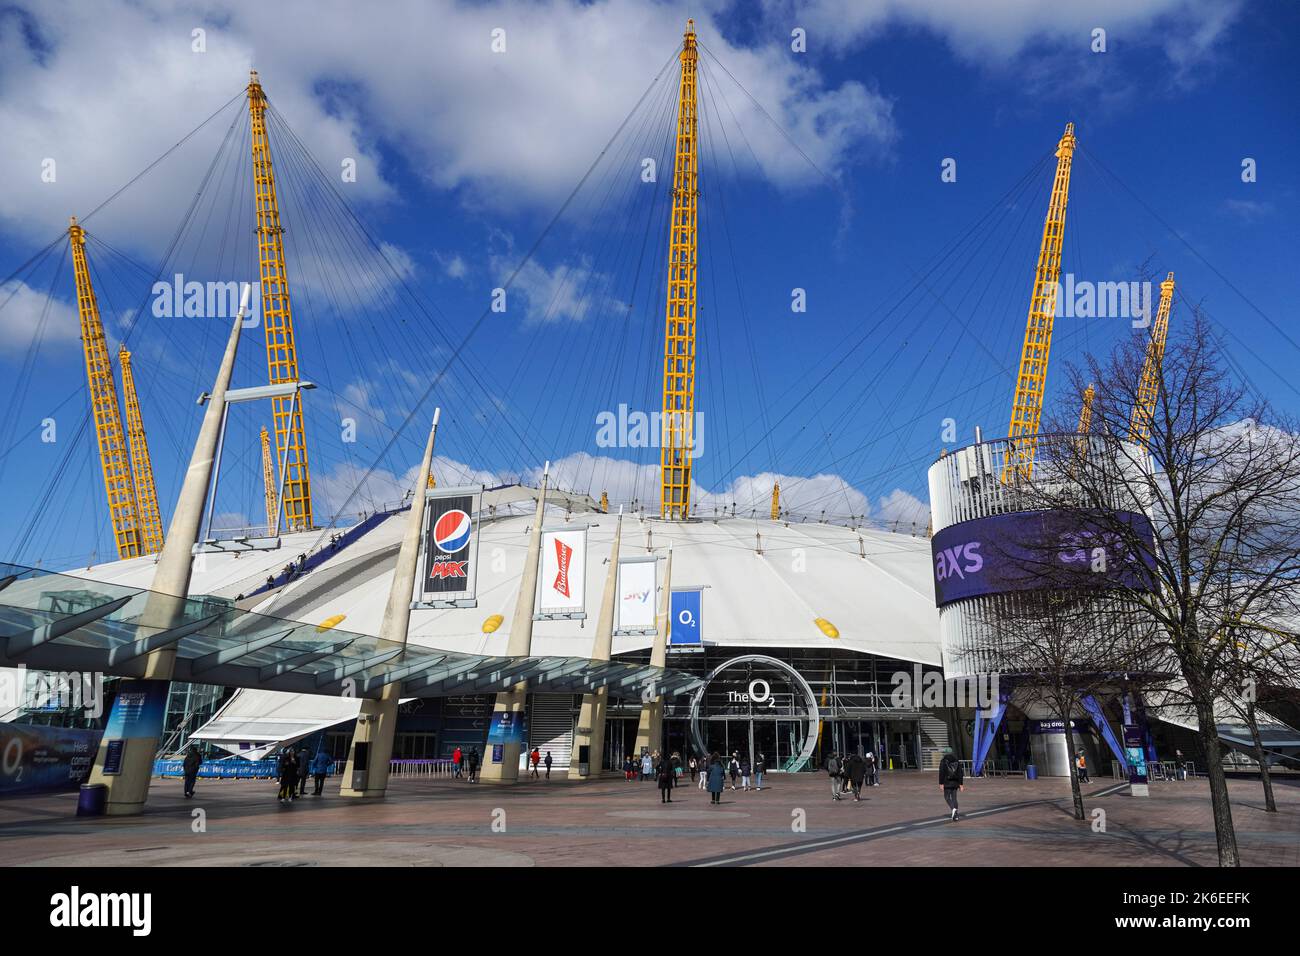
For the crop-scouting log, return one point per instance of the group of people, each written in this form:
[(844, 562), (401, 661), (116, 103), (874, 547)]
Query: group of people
[(647, 766), (534, 759), (710, 774), (849, 773), (715, 773), (464, 766), (295, 769)]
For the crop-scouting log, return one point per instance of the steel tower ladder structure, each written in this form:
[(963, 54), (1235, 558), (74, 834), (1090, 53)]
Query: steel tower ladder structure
[(677, 440), (1139, 429), (1031, 381), (146, 493), (113, 454), (269, 490), (277, 319), (1085, 410)]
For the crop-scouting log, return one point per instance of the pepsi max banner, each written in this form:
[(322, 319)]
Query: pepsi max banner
[(561, 582), (449, 568), (1042, 550), (636, 596)]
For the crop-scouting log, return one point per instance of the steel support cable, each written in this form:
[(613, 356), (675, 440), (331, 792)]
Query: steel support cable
[(461, 346), (710, 86), (935, 379), (1282, 333), (298, 161), (419, 302), (1224, 327), (903, 293), (628, 149)]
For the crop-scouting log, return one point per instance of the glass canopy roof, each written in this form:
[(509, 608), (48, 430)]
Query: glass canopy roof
[(58, 622)]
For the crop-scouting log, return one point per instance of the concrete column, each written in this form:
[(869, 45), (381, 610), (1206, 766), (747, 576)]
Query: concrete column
[(377, 721), (591, 717), (165, 608), (520, 645), (650, 725)]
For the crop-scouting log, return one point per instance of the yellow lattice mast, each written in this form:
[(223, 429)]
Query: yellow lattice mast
[(277, 319), (268, 483), (676, 438), (1027, 408), (776, 500), (146, 494), (1085, 410), (113, 454), (1139, 429)]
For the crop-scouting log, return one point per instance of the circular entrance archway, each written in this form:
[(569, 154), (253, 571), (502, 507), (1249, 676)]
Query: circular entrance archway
[(796, 681)]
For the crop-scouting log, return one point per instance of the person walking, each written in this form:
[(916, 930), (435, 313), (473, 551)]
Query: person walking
[(744, 773), (536, 758), (717, 779), (647, 767), (288, 771), (320, 768), (548, 761), (760, 768), (1081, 763), (304, 771), (704, 774), (733, 768), (191, 766), (870, 778), (472, 764), (837, 781), (951, 779), (856, 770), (665, 779), (676, 762), (457, 758), (694, 766)]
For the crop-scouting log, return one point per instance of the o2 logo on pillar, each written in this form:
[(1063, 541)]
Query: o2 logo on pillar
[(563, 557), (961, 560), (452, 531)]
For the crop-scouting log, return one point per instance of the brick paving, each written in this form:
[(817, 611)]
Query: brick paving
[(611, 822)]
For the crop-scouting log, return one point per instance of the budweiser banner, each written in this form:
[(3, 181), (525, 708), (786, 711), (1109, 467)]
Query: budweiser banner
[(561, 582), (636, 596), (449, 568)]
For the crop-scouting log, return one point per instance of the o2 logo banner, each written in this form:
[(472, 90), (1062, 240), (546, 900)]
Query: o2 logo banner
[(1037, 550), (35, 758)]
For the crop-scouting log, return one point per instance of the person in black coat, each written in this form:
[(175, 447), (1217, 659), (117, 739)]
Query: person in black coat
[(664, 775), (191, 768), (856, 769), (951, 779), (288, 770)]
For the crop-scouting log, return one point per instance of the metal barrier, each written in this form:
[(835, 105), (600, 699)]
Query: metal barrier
[(420, 768)]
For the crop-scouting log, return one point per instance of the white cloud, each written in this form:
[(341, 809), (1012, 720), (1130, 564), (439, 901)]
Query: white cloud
[(26, 312), (107, 88), (994, 32)]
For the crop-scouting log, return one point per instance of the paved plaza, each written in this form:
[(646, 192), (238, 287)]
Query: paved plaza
[(427, 822)]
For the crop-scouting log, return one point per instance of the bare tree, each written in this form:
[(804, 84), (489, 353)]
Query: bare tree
[(1219, 485), (1063, 646)]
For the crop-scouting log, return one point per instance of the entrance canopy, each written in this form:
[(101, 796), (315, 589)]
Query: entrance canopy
[(58, 622)]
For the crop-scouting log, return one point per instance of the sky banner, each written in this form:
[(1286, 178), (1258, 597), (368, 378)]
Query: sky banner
[(636, 596)]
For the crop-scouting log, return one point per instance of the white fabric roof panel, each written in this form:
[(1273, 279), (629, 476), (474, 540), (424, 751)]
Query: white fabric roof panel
[(881, 604)]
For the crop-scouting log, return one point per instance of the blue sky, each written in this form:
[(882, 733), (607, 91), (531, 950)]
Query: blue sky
[(916, 288)]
